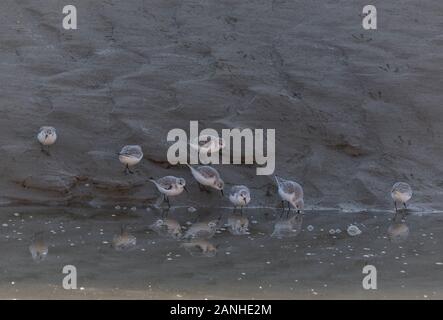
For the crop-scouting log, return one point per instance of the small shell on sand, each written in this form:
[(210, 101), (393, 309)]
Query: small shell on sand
[(353, 230)]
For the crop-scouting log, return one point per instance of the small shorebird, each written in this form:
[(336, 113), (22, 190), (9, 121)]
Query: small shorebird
[(207, 176), (401, 192), (169, 186), (239, 196), (291, 192), (130, 155), (47, 137), (38, 248), (208, 144), (202, 230), (124, 240)]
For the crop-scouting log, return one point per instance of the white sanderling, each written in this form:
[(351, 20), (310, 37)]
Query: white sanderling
[(207, 176), (200, 248), (47, 137), (208, 144), (167, 227), (239, 196), (401, 192), (169, 186), (202, 230), (291, 192), (124, 240), (130, 155), (38, 248)]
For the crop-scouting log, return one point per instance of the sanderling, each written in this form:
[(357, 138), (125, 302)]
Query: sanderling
[(38, 248), (47, 137), (239, 196), (203, 230), (130, 155), (401, 192), (200, 248), (207, 176), (169, 186), (208, 144), (291, 192), (167, 227), (124, 240)]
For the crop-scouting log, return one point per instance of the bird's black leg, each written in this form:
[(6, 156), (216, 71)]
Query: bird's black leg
[(395, 205), (404, 204), (166, 199), (283, 208)]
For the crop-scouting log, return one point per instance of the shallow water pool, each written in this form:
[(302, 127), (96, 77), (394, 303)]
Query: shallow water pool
[(262, 255)]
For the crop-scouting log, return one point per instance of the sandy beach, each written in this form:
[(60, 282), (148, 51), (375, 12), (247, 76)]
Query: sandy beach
[(354, 110)]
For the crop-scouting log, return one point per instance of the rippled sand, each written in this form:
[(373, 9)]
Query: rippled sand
[(320, 261)]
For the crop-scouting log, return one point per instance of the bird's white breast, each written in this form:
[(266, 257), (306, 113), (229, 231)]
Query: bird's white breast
[(401, 197), (285, 196), (50, 139), (174, 191), (129, 160)]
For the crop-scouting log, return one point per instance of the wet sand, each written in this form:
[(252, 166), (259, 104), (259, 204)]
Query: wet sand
[(355, 110), (313, 264)]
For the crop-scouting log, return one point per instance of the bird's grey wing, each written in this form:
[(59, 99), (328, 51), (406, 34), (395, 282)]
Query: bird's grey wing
[(288, 187), (207, 172), (166, 182), (234, 190), (131, 151), (126, 151)]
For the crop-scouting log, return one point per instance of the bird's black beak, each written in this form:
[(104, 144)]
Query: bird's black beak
[(185, 189), (222, 193)]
